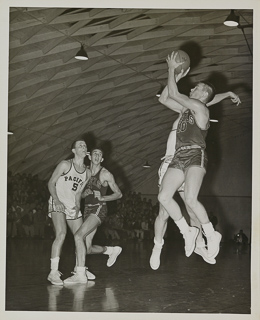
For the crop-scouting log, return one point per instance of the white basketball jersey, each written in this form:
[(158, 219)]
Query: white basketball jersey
[(68, 184)]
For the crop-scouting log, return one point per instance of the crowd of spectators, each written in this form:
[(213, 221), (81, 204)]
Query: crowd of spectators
[(27, 201), (131, 217)]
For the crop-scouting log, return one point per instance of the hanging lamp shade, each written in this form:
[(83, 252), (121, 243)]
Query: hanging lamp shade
[(81, 54), (232, 20), (146, 165)]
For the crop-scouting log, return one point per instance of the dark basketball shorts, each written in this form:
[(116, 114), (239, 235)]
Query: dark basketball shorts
[(184, 159), (99, 210)]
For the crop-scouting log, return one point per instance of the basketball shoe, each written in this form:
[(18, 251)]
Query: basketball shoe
[(115, 252), (213, 243), (78, 277), (54, 277), (156, 253), (190, 237), (203, 252), (89, 274)]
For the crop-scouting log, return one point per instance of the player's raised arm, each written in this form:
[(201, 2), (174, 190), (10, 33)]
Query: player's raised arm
[(188, 103), (168, 102), (221, 96)]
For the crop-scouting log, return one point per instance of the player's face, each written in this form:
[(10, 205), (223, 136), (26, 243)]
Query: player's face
[(197, 91), (96, 156), (81, 148)]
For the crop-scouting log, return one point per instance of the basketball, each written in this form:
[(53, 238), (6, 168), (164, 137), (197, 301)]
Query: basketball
[(182, 56)]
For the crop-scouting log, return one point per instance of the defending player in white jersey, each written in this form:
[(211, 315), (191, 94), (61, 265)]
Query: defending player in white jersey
[(66, 181)]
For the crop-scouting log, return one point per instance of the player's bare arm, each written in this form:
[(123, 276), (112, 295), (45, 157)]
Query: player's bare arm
[(78, 194), (168, 102), (221, 96), (61, 168), (107, 177)]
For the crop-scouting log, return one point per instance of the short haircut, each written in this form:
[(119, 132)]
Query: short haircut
[(73, 145), (210, 90), (97, 148)]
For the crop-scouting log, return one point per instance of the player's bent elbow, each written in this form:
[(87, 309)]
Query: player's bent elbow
[(162, 99)]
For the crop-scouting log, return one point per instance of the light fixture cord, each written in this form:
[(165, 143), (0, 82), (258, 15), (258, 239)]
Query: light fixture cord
[(247, 42)]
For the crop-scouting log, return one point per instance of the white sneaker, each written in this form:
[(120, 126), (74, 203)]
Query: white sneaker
[(54, 277), (155, 258), (90, 275), (76, 278), (113, 256), (203, 252), (213, 242), (190, 238)]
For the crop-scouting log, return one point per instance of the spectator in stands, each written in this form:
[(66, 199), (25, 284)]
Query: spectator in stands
[(27, 222), (39, 222)]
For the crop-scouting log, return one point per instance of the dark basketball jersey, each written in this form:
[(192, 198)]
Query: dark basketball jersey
[(189, 133), (95, 184)]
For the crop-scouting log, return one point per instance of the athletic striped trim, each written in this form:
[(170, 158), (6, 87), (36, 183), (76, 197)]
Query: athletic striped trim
[(202, 158)]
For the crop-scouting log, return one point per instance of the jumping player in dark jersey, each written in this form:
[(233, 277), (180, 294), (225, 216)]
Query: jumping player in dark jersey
[(160, 224), (189, 162), (95, 211)]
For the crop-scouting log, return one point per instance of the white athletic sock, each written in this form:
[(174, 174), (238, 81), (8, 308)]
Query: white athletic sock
[(80, 270), (182, 225), (158, 244), (75, 268), (55, 263), (108, 251), (208, 228)]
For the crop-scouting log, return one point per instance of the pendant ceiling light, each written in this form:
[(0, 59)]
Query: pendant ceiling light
[(146, 165), (232, 20), (81, 54)]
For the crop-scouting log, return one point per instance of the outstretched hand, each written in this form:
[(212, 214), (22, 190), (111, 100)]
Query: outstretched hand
[(235, 98)]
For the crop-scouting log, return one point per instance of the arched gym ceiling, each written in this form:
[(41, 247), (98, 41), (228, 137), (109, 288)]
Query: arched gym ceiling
[(110, 98)]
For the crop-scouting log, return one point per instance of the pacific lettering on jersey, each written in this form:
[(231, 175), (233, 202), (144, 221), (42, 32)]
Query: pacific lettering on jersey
[(75, 179)]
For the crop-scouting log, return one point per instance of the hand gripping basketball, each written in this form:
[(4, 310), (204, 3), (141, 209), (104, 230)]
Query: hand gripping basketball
[(180, 61)]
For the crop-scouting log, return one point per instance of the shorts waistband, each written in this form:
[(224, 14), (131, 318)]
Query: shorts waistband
[(195, 146), (95, 205)]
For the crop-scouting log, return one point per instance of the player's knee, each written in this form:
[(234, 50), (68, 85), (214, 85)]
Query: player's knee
[(162, 198), (78, 237), (163, 214)]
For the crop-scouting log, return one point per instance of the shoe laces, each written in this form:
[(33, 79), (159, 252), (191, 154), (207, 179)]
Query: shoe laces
[(211, 237), (74, 272), (58, 273)]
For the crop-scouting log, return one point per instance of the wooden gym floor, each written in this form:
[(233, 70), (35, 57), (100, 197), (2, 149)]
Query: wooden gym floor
[(180, 285)]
